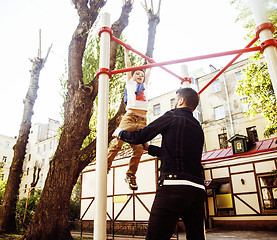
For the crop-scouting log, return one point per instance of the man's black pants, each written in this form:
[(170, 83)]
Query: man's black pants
[(172, 203)]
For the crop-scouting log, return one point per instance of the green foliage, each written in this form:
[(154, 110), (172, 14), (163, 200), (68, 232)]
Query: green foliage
[(2, 191), (74, 210), (116, 83), (256, 83), (7, 236), (74, 207), (81, 238), (245, 14), (89, 66), (74, 204), (31, 207)]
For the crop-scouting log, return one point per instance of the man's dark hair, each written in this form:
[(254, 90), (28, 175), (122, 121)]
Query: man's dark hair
[(190, 96)]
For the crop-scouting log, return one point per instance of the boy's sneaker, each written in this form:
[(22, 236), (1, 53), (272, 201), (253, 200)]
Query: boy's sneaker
[(131, 180)]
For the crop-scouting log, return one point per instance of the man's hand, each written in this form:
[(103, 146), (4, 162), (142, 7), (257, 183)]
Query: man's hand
[(145, 146), (116, 132)]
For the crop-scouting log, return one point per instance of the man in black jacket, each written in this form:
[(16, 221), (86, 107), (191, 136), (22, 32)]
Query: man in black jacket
[(181, 190)]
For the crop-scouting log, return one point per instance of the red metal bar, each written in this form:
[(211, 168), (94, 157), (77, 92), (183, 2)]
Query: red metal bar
[(266, 25), (154, 64), (105, 29), (145, 57), (104, 70), (228, 65), (239, 51), (267, 43)]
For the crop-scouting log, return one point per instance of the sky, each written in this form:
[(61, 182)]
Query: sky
[(186, 29)]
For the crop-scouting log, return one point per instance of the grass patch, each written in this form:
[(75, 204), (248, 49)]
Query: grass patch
[(6, 236), (81, 238)]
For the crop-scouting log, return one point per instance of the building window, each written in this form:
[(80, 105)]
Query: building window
[(219, 112), (239, 76), (192, 80), (29, 158), (4, 159), (27, 172), (216, 86), (268, 191), (2, 177), (25, 190), (222, 138), (244, 105), (42, 162), (41, 178), (219, 192), (252, 133), (7, 144), (50, 145), (157, 109), (172, 103)]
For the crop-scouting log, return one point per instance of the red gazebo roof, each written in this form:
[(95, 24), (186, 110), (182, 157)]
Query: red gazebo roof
[(264, 146)]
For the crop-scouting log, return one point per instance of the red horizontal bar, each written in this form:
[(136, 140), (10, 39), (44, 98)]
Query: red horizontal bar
[(144, 56), (227, 66), (258, 48)]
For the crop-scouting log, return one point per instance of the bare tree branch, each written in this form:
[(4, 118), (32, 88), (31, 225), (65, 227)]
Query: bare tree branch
[(45, 59)]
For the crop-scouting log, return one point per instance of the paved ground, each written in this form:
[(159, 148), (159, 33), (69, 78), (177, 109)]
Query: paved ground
[(240, 235), (213, 235)]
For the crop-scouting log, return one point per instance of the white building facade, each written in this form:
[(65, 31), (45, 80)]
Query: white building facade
[(221, 110), (6, 155), (222, 115), (42, 144)]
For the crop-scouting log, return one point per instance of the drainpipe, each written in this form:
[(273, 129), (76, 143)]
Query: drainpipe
[(228, 103)]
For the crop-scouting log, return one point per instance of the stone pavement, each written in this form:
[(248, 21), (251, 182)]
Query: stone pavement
[(240, 235), (212, 234)]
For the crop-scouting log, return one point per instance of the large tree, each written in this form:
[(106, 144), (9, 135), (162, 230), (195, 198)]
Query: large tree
[(256, 84), (7, 213), (51, 219)]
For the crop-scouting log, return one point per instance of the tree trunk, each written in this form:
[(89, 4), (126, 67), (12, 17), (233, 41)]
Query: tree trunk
[(51, 219), (153, 21), (35, 179), (152, 25), (7, 214)]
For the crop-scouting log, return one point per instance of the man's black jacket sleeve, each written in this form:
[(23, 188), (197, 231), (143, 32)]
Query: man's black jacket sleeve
[(154, 151), (147, 133)]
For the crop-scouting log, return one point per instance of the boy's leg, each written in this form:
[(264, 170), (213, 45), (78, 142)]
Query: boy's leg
[(135, 158), (128, 122), (133, 166), (116, 143), (115, 146), (139, 123), (132, 122), (137, 149)]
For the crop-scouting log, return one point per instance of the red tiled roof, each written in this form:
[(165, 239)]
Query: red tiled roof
[(263, 146), (268, 145)]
